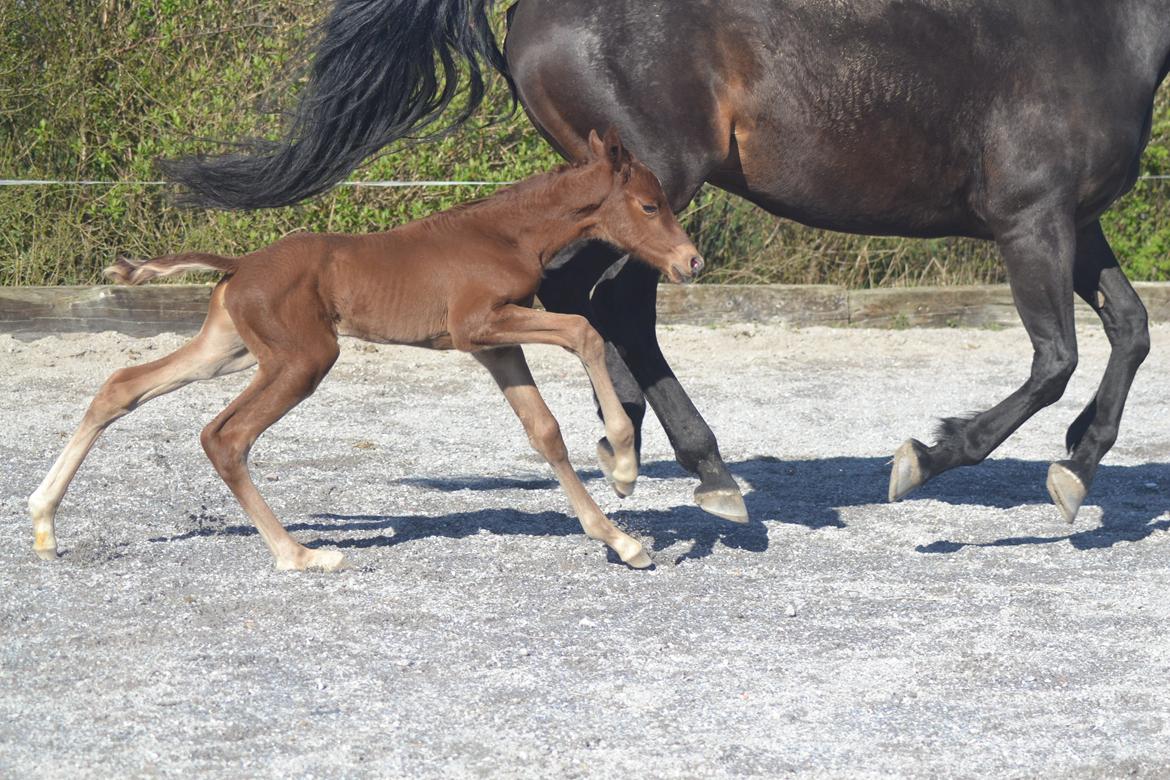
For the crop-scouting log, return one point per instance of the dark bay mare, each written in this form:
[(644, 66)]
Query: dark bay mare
[(1017, 122)]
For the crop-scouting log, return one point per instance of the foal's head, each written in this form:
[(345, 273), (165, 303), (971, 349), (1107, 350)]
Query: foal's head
[(635, 215)]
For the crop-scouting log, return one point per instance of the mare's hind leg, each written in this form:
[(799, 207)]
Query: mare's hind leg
[(215, 351), (510, 370), (285, 378), (1102, 283), (1039, 251)]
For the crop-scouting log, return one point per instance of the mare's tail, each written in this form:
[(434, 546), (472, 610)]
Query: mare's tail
[(126, 271), (382, 69)]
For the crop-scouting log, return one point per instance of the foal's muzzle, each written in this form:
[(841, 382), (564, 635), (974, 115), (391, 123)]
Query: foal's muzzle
[(684, 270)]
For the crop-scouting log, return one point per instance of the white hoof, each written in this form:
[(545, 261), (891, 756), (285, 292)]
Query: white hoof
[(314, 560), (631, 553), (907, 472), (1067, 491), (726, 503), (46, 553), (622, 477)]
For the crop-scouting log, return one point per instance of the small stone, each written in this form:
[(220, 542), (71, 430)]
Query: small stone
[(790, 610)]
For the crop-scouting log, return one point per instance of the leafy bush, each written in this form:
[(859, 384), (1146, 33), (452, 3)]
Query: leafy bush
[(98, 89)]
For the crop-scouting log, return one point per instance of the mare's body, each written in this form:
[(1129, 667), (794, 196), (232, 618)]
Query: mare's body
[(463, 279), (1016, 122)]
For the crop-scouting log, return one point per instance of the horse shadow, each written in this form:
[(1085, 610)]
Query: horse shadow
[(1134, 500), (812, 493)]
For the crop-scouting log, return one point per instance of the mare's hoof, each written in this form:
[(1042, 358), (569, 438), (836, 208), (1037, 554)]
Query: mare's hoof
[(1067, 490), (907, 472), (314, 560), (726, 503), (606, 459)]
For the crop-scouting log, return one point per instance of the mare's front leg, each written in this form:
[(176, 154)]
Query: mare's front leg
[(623, 310), (1038, 249), (510, 370)]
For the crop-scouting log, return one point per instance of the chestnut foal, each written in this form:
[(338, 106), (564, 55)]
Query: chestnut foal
[(462, 279)]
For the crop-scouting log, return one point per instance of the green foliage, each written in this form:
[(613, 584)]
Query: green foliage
[(99, 89)]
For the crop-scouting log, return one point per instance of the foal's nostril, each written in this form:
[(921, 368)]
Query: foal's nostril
[(696, 264)]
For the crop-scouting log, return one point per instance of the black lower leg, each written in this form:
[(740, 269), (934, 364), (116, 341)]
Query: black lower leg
[(625, 309), (1039, 260), (1102, 284)]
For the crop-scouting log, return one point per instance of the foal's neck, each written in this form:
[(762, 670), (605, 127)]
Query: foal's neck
[(545, 213)]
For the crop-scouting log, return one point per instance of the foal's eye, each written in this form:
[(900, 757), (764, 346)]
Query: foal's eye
[(649, 208)]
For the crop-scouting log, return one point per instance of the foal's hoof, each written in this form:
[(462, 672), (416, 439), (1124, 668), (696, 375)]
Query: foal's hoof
[(314, 560), (1067, 490), (45, 545), (907, 472), (726, 503), (632, 554), (46, 553), (607, 460)]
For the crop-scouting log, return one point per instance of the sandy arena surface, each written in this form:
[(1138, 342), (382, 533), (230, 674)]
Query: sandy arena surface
[(966, 631)]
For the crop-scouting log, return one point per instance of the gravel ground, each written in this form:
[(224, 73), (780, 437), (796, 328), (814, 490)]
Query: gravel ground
[(965, 631)]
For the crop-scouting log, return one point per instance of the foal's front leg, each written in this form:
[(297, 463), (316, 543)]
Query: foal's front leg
[(510, 370), (514, 325)]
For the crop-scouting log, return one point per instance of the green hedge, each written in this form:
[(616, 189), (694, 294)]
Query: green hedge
[(100, 89)]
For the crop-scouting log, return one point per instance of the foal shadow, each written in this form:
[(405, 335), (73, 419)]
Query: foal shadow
[(1134, 502), (665, 527), (684, 524)]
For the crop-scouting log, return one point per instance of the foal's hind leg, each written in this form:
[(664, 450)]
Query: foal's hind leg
[(284, 379), (510, 370), (1038, 251), (215, 351), (1102, 283)]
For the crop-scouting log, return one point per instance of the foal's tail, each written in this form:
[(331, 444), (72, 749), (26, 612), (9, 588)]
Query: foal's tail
[(126, 271), (383, 69)]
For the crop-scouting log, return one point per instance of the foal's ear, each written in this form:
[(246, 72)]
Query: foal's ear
[(596, 146), (608, 148), (614, 151)]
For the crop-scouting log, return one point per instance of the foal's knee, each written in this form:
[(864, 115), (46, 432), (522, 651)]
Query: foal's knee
[(586, 340)]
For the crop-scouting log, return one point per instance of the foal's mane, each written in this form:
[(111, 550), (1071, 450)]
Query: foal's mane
[(529, 191)]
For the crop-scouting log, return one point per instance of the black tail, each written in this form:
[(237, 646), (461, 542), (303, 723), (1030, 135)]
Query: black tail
[(382, 69)]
